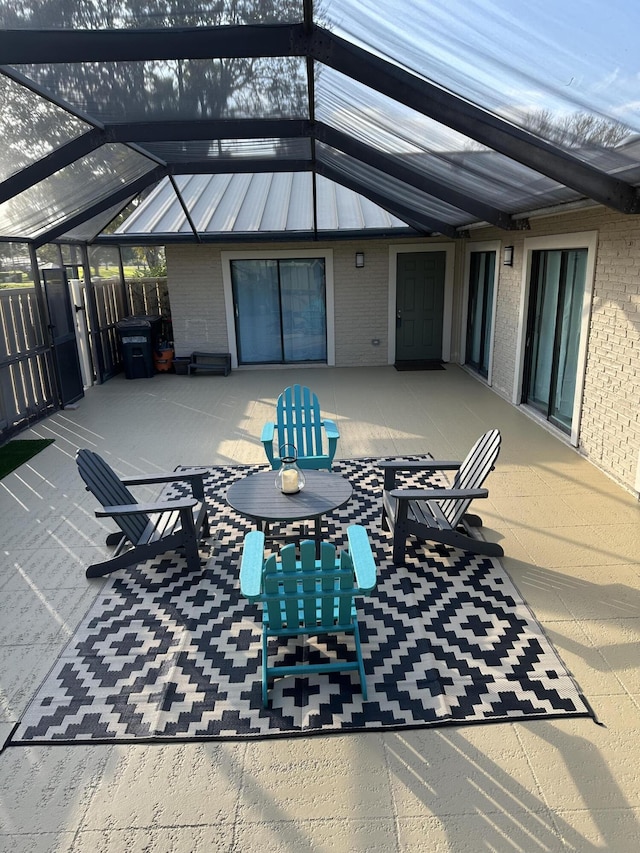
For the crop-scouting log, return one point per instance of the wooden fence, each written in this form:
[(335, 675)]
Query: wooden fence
[(146, 296), (27, 384), (27, 390)]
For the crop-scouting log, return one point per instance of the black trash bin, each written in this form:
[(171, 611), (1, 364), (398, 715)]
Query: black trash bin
[(139, 336)]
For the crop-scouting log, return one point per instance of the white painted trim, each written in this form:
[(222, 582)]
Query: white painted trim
[(78, 293), (276, 254), (580, 240), (447, 313), (487, 246)]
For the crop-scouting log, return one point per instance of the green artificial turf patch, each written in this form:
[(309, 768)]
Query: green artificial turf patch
[(15, 453)]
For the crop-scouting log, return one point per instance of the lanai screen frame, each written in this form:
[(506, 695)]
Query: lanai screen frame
[(348, 71)]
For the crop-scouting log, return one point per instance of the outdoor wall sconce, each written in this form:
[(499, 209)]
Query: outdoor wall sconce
[(359, 260), (507, 257)]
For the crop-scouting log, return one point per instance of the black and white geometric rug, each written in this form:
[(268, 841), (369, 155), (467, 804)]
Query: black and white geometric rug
[(167, 654)]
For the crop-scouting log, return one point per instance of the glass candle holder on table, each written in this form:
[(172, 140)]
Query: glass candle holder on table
[(289, 479)]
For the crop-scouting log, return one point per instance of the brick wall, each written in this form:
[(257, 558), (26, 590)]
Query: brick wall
[(361, 304), (610, 421), (610, 428), (194, 274)]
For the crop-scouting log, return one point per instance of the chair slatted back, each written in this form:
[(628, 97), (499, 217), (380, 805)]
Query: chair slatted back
[(105, 485), (308, 594), (298, 420), (472, 473)]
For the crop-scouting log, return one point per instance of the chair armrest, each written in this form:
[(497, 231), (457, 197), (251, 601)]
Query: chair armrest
[(330, 428), (437, 494), (251, 565), (150, 479), (268, 431), (146, 509), (193, 477), (361, 555), (426, 465)]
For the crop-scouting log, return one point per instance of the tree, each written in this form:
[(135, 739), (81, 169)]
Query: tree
[(172, 89), (574, 130)]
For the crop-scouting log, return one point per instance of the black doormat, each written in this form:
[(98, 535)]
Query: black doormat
[(166, 654), (17, 452), (420, 364)]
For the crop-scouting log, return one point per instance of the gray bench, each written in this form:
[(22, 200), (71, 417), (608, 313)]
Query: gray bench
[(210, 362)]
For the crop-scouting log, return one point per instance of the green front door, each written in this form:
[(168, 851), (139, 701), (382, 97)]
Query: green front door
[(419, 306)]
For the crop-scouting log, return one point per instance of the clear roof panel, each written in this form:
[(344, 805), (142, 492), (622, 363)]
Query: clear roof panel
[(90, 228), (567, 71), (118, 14), (231, 149), (179, 89), (71, 190), (31, 127), (431, 149), (375, 181)]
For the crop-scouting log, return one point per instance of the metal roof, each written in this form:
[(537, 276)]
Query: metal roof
[(443, 120), (263, 204)]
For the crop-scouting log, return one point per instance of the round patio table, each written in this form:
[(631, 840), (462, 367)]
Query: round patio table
[(257, 497)]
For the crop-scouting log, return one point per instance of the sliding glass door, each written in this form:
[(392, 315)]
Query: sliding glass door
[(553, 333), (482, 269), (280, 310)]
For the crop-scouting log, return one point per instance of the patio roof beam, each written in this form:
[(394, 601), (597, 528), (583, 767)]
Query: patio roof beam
[(38, 47), (125, 192), (253, 237), (423, 224), (184, 131), (472, 121), (238, 165), (390, 165), (52, 163), (185, 208)]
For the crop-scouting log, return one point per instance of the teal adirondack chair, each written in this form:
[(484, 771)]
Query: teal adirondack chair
[(308, 596), (299, 423)]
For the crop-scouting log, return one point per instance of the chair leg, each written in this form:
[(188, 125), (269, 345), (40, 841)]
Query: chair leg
[(190, 540), (99, 570), (399, 546), (265, 670), (456, 539), (363, 680), (192, 555)]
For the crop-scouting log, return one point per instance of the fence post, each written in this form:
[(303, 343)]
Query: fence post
[(94, 325)]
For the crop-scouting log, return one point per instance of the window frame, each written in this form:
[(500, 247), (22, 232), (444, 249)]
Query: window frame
[(279, 254), (578, 240)]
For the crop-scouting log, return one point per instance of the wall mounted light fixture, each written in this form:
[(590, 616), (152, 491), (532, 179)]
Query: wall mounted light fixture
[(359, 260), (507, 256)]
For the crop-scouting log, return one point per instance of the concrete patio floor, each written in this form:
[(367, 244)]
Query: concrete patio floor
[(572, 543)]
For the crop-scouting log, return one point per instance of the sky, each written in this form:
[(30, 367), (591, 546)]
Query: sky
[(562, 55)]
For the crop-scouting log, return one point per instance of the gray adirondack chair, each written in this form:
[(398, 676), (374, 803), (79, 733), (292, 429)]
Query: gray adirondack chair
[(308, 596), (299, 423), (440, 514), (150, 528)]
